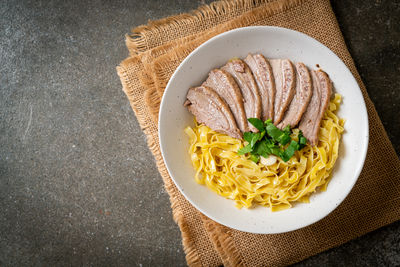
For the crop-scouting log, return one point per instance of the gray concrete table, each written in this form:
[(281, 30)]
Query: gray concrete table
[(78, 185)]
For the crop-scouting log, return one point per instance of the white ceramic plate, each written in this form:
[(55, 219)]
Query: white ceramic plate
[(272, 42)]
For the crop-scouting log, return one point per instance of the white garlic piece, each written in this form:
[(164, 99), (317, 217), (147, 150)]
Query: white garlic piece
[(268, 161)]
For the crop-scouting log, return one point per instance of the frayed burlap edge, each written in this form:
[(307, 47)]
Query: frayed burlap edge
[(223, 243), (138, 40), (174, 51)]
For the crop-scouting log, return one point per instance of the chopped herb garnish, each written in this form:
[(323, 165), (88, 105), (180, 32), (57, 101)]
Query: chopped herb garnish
[(282, 137), (254, 139), (262, 149), (254, 158), (257, 123), (287, 129), (270, 141), (289, 151), (247, 136), (245, 150), (262, 135), (302, 140)]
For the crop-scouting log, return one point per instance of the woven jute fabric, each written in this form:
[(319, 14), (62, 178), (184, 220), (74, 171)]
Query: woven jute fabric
[(155, 52)]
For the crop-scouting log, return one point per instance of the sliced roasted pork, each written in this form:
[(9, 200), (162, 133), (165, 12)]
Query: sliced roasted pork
[(301, 98), (209, 108), (264, 77), (244, 78), (284, 75), (224, 84), (322, 90)]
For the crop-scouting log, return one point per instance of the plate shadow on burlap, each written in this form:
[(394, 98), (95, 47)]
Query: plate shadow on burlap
[(158, 48)]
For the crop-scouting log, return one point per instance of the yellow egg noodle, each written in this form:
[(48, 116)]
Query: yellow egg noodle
[(220, 168)]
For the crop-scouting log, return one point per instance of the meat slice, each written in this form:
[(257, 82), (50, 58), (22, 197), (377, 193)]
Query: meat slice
[(209, 108), (244, 78), (284, 76), (322, 90), (264, 77), (224, 85), (301, 98)]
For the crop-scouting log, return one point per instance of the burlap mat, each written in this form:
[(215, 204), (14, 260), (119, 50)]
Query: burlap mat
[(158, 48)]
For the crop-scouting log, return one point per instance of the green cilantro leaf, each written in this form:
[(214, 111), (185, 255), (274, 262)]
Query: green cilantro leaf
[(302, 140), (279, 136), (262, 149), (254, 139), (244, 150), (287, 130), (257, 123), (262, 135), (255, 158), (289, 151), (247, 136), (270, 140)]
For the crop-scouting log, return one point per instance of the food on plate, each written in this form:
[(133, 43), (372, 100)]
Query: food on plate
[(271, 141), (263, 75), (224, 84), (266, 131), (244, 78), (301, 98), (285, 83), (271, 182), (209, 107), (322, 90)]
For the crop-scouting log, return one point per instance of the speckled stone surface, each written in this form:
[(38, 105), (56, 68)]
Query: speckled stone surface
[(78, 185)]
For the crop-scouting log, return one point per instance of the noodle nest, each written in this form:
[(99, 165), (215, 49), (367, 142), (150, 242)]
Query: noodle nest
[(218, 166)]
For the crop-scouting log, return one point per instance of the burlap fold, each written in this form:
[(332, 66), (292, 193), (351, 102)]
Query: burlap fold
[(158, 48)]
